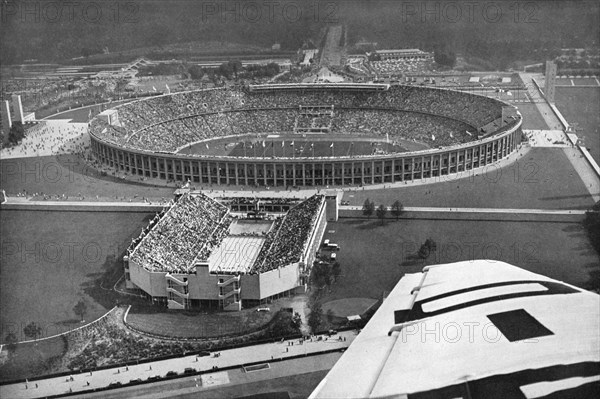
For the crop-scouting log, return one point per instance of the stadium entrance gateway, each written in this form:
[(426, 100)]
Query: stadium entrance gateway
[(206, 253)]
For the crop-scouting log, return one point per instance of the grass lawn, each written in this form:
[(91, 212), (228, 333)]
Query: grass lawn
[(189, 325), (32, 358), (543, 179), (532, 119), (69, 175), (375, 257), (51, 260), (581, 105)]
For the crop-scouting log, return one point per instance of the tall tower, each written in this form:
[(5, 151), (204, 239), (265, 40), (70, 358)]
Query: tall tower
[(17, 107), (550, 81), (6, 117)]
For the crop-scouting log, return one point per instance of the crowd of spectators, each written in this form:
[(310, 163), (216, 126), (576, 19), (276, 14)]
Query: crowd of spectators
[(400, 66), (286, 241), (167, 123), (423, 128), (193, 226), (49, 138), (265, 200)]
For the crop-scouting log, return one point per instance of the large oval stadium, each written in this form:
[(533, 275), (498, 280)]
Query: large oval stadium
[(306, 134)]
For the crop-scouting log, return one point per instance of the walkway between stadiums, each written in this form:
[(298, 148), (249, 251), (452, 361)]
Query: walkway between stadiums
[(279, 350), (25, 202), (484, 210), (549, 113)]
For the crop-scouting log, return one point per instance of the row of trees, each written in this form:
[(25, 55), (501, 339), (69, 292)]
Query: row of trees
[(324, 273), (397, 209)]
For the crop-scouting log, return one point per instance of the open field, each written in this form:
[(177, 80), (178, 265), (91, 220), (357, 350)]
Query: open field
[(543, 179), (581, 106), (574, 82), (31, 359), (51, 260), (532, 119), (374, 257), (318, 145), (69, 175)]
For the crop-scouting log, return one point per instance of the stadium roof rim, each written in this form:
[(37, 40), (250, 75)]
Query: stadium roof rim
[(356, 86)]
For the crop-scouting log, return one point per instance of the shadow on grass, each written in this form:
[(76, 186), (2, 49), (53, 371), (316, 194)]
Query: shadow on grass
[(413, 260), (100, 287), (370, 225)]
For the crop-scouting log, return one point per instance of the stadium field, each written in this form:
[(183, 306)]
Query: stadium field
[(51, 260), (374, 256), (320, 145), (581, 106)]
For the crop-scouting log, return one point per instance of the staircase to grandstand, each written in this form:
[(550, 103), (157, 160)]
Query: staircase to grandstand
[(314, 119), (178, 295), (229, 293)]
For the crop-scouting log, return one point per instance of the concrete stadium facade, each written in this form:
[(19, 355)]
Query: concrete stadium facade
[(313, 171)]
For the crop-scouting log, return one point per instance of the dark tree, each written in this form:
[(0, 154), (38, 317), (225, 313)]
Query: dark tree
[(368, 208), (321, 274), (329, 315), (336, 270), (225, 69), (381, 211), (397, 209), (235, 67), (431, 244), (315, 317), (196, 72), (445, 57), (80, 309), (16, 133), (427, 248), (11, 341), (32, 330), (282, 325), (297, 321)]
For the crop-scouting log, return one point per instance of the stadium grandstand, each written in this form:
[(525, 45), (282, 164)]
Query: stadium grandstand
[(474, 329), (200, 252), (163, 137)]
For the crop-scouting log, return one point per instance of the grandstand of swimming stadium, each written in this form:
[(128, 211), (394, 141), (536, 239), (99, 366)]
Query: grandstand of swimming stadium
[(226, 254)]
